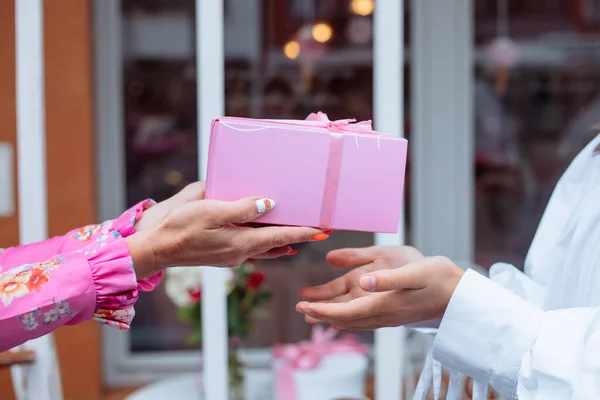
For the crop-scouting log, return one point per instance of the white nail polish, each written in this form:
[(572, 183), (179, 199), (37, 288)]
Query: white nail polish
[(264, 205)]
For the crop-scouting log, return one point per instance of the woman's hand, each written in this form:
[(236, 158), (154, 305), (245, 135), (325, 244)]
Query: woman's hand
[(153, 216), (209, 232), (416, 292)]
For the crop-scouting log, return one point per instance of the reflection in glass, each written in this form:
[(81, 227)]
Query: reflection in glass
[(531, 116)]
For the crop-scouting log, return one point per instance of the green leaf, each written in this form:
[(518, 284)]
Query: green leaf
[(194, 338), (191, 315), (234, 316), (262, 298)]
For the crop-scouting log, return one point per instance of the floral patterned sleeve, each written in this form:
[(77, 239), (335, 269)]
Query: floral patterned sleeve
[(74, 240), (87, 274)]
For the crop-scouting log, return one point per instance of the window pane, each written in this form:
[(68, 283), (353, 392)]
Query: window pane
[(266, 77), (160, 133), (274, 68), (531, 117)]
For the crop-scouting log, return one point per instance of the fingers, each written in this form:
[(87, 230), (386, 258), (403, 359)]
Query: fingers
[(361, 307), (277, 252), (192, 192), (411, 276), (362, 324), (338, 299), (336, 287), (277, 236), (242, 211), (310, 320), (352, 257)]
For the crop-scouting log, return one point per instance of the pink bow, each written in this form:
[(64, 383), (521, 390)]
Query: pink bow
[(308, 354), (341, 125)]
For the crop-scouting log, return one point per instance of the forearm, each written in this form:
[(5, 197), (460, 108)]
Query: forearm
[(96, 282)]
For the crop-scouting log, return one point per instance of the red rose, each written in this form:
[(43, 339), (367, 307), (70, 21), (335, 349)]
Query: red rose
[(255, 280), (195, 295)]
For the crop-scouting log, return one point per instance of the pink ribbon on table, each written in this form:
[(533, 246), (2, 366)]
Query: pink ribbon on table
[(308, 354)]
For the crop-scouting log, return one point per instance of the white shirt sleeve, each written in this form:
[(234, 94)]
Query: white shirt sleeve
[(524, 353), (486, 331)]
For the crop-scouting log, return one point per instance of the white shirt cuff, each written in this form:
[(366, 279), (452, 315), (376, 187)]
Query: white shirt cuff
[(486, 331)]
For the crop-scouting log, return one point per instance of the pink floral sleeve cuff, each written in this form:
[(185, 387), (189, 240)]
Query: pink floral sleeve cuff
[(114, 279), (113, 272), (125, 226)]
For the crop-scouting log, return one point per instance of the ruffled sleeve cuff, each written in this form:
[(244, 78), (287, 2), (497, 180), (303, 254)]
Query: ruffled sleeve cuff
[(115, 284), (117, 288), (125, 226)]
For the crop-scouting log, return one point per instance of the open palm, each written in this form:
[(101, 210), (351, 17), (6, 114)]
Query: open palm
[(346, 288)]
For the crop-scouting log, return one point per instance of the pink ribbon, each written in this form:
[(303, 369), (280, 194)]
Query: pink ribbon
[(334, 160), (341, 125), (320, 120), (307, 355)]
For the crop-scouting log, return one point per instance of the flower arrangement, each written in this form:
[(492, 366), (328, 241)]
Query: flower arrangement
[(246, 293)]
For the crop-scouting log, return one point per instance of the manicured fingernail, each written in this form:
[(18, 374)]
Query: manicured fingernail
[(328, 231), (250, 260), (367, 282), (320, 236), (264, 205), (293, 252)]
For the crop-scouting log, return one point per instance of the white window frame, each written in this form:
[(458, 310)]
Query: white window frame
[(441, 224), (31, 121), (442, 128)]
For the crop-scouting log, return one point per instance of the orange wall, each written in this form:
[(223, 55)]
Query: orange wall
[(70, 160)]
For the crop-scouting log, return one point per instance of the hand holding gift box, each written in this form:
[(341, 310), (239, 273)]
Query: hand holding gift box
[(328, 174)]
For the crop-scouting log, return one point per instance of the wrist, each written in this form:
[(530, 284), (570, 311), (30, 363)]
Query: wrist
[(153, 216), (142, 255), (451, 282)]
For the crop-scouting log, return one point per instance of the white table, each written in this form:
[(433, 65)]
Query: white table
[(183, 387), (258, 385)]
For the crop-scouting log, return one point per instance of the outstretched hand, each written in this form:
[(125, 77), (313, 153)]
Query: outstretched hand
[(369, 259), (398, 286)]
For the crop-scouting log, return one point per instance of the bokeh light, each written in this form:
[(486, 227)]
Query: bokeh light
[(362, 7), (292, 49), (322, 32)]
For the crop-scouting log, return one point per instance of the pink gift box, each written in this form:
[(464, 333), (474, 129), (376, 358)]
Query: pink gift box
[(328, 174), (321, 368)]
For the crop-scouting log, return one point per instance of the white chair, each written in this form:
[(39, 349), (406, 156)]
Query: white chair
[(37, 379)]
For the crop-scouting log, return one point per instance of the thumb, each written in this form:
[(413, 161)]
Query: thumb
[(410, 276), (245, 210)]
